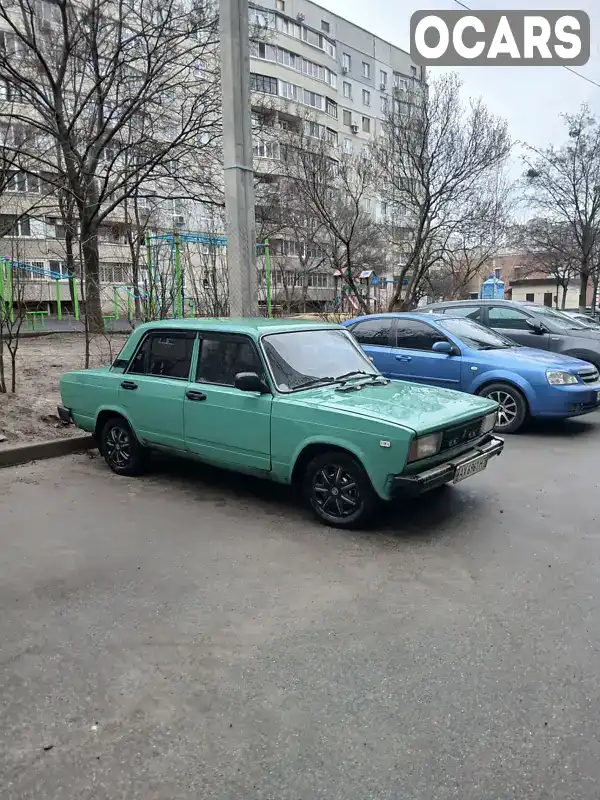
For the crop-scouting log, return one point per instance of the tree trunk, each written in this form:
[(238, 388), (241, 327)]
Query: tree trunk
[(565, 289), (2, 378), (91, 261), (595, 293), (583, 284)]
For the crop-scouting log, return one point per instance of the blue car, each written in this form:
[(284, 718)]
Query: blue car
[(457, 353)]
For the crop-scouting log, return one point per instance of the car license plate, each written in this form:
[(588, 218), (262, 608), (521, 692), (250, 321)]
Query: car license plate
[(470, 468)]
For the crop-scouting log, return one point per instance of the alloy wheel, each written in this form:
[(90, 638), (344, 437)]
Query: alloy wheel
[(336, 492), (508, 411), (117, 445)]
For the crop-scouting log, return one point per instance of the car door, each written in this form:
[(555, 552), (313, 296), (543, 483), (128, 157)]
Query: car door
[(514, 324), (413, 357), (153, 387), (222, 424), (375, 337)]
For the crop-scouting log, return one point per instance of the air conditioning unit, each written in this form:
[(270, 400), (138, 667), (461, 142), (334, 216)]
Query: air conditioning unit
[(300, 17), (344, 70), (354, 127), (180, 220), (383, 87)]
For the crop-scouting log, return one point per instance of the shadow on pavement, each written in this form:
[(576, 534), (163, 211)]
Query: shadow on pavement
[(423, 517)]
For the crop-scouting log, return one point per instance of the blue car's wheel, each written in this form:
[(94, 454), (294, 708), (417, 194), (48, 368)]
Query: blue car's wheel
[(513, 406)]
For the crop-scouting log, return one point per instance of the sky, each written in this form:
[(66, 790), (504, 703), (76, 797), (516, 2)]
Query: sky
[(529, 98)]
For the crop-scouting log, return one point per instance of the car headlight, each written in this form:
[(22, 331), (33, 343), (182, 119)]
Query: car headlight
[(489, 422), (425, 446), (561, 378)]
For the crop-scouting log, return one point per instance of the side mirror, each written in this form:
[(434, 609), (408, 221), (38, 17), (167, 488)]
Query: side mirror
[(537, 327), (250, 382), (443, 347)]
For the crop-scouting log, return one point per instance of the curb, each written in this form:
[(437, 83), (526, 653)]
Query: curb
[(22, 454)]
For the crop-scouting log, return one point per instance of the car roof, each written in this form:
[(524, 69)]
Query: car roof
[(425, 316), (252, 326)]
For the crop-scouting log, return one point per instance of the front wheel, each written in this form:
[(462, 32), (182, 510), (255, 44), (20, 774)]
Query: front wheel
[(120, 448), (338, 490), (513, 406)]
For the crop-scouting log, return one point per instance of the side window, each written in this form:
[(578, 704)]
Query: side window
[(470, 312), (507, 318), (166, 354), (221, 358), (415, 335), (373, 332)]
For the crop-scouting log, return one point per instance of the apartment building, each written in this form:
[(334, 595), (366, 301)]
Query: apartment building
[(310, 61), (315, 63)]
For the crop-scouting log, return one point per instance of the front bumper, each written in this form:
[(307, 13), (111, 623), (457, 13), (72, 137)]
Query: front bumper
[(65, 415), (567, 401), (421, 482)]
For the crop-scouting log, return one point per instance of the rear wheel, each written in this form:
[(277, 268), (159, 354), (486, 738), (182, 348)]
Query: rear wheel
[(120, 448), (338, 490), (513, 406)]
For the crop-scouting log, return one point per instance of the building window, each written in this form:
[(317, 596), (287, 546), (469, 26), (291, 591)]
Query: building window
[(413, 70), (319, 280), (368, 205), (55, 229), (366, 124), (313, 100), (22, 182), (332, 79), (288, 59), (548, 299), (325, 27), (114, 273), (263, 83), (384, 105), (261, 18), (366, 97), (530, 298), (289, 28), (314, 70), (288, 90), (280, 5), (384, 208), (347, 118), (331, 107), (498, 273), (347, 90), (313, 38), (332, 137), (347, 62), (383, 79), (366, 69), (329, 48), (262, 149), (266, 52), (347, 146)]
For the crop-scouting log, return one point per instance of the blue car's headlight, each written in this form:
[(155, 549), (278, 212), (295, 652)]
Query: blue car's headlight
[(561, 378)]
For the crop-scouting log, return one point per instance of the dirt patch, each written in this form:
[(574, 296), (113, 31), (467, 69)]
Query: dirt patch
[(30, 414)]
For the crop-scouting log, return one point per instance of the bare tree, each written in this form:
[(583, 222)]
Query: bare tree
[(434, 160), (473, 243), (564, 184), (551, 250), (128, 92), (337, 190)]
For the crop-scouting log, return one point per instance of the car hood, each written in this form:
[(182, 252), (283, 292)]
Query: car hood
[(513, 356), (410, 405)]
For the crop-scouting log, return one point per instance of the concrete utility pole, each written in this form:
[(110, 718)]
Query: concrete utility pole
[(237, 157)]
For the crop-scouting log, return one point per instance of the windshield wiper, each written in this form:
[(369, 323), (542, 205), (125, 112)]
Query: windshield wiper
[(312, 382), (495, 347), (359, 373)]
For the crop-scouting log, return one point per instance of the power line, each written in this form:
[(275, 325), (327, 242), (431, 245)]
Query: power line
[(569, 69)]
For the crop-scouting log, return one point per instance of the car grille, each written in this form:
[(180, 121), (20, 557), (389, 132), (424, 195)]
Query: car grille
[(462, 434), (589, 376)]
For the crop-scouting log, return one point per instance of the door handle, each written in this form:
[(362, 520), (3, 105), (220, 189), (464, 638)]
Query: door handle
[(402, 358), (197, 397), (129, 385)]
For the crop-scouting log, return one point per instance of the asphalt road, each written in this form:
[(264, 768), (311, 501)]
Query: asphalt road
[(195, 635)]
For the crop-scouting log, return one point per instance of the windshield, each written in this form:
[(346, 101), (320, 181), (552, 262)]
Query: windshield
[(563, 321), (474, 335), (300, 359)]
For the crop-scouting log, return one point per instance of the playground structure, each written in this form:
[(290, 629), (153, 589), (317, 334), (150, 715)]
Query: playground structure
[(15, 289), (179, 275)]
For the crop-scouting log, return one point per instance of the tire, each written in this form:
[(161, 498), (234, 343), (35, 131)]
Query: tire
[(121, 449), (338, 491), (513, 406)]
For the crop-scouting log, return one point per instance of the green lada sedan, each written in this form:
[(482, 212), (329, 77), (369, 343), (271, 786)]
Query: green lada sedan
[(296, 402)]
